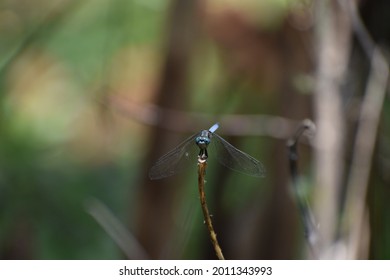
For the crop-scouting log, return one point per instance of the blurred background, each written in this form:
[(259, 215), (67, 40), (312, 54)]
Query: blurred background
[(92, 93)]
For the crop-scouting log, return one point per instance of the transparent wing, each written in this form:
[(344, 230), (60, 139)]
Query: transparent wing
[(175, 161), (235, 159)]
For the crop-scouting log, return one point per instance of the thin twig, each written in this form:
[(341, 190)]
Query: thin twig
[(364, 150), (179, 121), (371, 108), (125, 240), (306, 215), (350, 8), (202, 164)]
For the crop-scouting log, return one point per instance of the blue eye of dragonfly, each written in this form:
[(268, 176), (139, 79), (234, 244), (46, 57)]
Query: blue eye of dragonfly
[(187, 153), (202, 141)]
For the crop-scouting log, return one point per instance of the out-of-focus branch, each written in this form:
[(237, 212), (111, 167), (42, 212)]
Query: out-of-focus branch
[(333, 34), (359, 29), (264, 125), (116, 230), (308, 222), (366, 135), (363, 151)]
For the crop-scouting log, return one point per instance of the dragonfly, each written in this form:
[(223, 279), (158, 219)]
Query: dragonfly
[(196, 147)]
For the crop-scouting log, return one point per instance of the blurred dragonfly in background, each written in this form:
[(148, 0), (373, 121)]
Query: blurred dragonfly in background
[(194, 147)]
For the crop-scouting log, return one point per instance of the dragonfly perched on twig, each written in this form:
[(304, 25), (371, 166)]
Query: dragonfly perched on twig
[(194, 147)]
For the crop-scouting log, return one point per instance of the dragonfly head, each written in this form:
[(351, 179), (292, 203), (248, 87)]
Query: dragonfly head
[(203, 140)]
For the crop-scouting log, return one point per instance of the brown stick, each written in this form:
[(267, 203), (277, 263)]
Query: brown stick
[(202, 164)]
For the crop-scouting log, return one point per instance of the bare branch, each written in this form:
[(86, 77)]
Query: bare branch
[(264, 125), (363, 150), (333, 36), (202, 164)]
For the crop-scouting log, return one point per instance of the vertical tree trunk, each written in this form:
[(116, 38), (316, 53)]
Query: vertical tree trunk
[(155, 218)]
